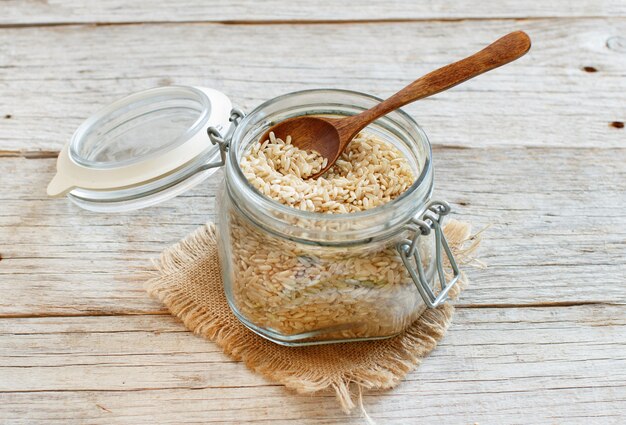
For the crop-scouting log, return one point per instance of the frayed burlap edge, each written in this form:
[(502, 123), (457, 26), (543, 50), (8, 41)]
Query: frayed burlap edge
[(387, 367)]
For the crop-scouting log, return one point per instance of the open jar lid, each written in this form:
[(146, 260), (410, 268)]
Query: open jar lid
[(142, 149)]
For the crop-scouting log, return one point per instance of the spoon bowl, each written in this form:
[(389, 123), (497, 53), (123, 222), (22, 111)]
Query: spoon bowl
[(330, 136), (310, 133)]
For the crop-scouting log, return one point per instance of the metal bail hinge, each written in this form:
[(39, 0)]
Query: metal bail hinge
[(430, 220), (222, 141)]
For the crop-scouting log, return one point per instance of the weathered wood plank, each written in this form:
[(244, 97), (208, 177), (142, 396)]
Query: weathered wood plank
[(112, 11), (51, 79), (561, 365), (557, 233)]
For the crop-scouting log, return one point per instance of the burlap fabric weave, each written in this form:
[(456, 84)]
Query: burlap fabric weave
[(188, 282)]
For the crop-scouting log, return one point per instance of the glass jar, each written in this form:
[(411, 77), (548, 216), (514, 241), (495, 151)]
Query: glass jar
[(292, 276), (298, 277)]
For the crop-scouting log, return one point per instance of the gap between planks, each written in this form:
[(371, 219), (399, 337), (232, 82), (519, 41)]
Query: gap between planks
[(320, 395), (48, 154), (557, 304), (124, 390), (303, 21), (28, 154)]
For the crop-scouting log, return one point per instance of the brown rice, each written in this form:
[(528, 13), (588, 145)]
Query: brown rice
[(331, 293), (370, 173)]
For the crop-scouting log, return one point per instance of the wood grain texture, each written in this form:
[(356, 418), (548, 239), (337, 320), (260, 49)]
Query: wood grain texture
[(557, 233), (561, 365), (54, 78), (111, 11), (535, 151)]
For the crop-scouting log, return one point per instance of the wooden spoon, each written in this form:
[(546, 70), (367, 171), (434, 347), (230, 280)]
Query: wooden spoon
[(330, 136)]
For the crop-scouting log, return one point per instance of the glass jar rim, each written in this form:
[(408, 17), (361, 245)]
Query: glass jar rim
[(265, 201)]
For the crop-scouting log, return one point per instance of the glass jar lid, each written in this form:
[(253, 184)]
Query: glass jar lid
[(142, 149)]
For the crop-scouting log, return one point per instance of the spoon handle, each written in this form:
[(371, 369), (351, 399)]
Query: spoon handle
[(506, 49)]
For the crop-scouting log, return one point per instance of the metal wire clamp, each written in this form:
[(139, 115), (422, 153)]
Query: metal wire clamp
[(222, 141), (430, 220)]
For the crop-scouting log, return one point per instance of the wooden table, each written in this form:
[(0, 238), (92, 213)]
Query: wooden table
[(535, 150)]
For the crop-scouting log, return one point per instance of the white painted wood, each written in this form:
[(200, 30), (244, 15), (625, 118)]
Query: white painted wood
[(557, 233), (54, 78), (530, 365), (75, 11)]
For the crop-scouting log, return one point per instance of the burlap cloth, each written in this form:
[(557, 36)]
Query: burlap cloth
[(188, 282)]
